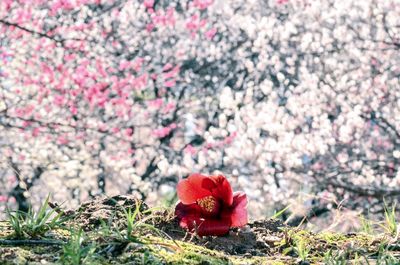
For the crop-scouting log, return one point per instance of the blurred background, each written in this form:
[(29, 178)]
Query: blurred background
[(297, 102)]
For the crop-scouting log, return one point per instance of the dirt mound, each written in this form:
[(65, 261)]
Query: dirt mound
[(256, 239), (109, 209)]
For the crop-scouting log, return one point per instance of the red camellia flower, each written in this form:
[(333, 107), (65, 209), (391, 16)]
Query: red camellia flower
[(208, 206)]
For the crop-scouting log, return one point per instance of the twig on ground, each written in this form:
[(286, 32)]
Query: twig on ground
[(22, 242)]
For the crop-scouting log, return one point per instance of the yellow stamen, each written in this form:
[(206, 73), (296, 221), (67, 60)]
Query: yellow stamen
[(208, 203)]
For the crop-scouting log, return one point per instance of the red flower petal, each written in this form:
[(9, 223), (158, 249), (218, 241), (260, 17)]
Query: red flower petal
[(195, 187), (187, 215), (205, 227), (213, 227), (238, 212), (183, 210), (223, 189)]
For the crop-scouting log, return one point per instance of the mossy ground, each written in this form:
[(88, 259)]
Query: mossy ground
[(262, 242)]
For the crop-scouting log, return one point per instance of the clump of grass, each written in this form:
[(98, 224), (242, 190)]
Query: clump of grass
[(131, 225), (15, 220), (301, 249), (35, 224), (334, 258), (137, 227), (386, 257), (366, 225), (75, 252), (342, 257), (390, 224), (296, 242)]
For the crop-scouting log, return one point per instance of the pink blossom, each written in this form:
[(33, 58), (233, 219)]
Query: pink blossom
[(11, 179), (202, 23), (167, 67), (170, 83), (169, 107), (73, 109), (192, 24), (189, 149), (230, 138), (171, 73), (202, 4), (162, 132), (36, 132), (62, 140), (100, 68), (8, 152), (80, 136), (137, 64), (171, 17), (102, 127), (128, 132), (19, 112), (23, 16), (140, 82), (210, 33), (26, 124), (8, 4), (164, 18), (150, 27), (209, 145), (124, 65), (148, 3), (55, 7), (59, 100), (156, 103), (3, 198)]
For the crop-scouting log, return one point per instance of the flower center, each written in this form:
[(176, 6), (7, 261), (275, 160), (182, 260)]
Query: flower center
[(209, 205)]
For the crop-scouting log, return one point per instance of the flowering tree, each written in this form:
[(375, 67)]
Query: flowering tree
[(126, 96), (97, 98)]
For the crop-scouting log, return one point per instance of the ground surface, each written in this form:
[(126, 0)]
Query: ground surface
[(156, 238)]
